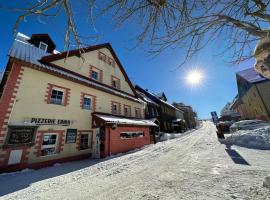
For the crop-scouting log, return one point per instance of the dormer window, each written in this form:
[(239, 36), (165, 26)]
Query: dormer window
[(43, 46), (43, 42)]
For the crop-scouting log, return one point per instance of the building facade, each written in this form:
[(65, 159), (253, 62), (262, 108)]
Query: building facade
[(166, 112), (66, 106), (190, 116), (253, 100)]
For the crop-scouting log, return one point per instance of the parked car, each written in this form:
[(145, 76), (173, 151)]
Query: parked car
[(248, 125)]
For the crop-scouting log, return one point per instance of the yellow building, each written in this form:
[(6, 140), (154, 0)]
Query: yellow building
[(254, 95), (58, 107)]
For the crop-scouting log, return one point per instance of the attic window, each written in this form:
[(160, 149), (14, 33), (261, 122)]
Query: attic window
[(43, 46)]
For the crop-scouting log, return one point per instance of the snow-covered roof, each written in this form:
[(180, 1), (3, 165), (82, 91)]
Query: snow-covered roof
[(109, 119), (251, 75), (146, 99), (169, 104), (23, 50)]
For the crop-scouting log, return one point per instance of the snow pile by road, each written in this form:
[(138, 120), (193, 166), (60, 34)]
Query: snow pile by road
[(168, 136), (257, 139)]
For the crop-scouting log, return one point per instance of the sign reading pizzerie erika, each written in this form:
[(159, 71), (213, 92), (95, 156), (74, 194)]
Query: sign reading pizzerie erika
[(43, 121)]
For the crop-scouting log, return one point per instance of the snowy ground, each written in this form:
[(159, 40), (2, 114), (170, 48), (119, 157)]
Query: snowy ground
[(194, 166), (256, 139)]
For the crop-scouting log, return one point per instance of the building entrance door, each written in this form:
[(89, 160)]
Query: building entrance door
[(96, 143)]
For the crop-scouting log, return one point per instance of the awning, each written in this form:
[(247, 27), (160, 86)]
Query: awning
[(109, 119)]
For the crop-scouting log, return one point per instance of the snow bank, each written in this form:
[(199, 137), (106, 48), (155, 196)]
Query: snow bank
[(257, 139), (266, 182), (169, 136)]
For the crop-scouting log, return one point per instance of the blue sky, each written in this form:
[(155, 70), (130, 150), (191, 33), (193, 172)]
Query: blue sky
[(157, 73)]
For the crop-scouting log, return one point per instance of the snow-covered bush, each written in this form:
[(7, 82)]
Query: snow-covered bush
[(257, 139)]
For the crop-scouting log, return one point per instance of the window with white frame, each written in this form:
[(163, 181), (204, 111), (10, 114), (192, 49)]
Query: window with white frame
[(84, 141), (57, 97), (49, 144), (87, 103), (43, 46), (125, 135)]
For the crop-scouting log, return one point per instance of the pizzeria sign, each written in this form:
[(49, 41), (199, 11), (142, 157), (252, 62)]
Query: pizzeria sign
[(45, 121)]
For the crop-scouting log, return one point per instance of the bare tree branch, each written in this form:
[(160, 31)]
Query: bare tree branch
[(187, 24)]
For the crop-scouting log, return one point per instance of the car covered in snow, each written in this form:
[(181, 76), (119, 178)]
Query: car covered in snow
[(248, 125)]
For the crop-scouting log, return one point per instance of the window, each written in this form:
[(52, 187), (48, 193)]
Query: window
[(125, 135), (127, 110), (102, 56), (146, 110), (115, 82), (115, 108), (156, 112), (137, 112), (153, 111), (111, 62), (43, 46), (71, 136), (87, 103), (84, 143), (94, 75), (49, 144), (57, 97)]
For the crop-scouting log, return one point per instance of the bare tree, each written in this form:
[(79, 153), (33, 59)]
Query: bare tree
[(188, 24)]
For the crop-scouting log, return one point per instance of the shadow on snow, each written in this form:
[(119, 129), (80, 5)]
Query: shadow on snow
[(15, 181)]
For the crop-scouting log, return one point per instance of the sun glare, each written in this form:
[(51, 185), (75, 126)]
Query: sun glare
[(194, 77)]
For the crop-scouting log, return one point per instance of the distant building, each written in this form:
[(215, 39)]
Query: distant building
[(167, 113), (190, 116), (227, 113), (253, 100), (179, 123)]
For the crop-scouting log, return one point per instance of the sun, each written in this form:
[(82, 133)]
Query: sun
[(194, 77)]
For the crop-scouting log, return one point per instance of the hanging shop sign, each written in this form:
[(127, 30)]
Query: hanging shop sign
[(71, 136), (18, 135), (45, 121)]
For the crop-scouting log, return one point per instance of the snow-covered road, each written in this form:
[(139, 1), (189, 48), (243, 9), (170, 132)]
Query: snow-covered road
[(194, 166)]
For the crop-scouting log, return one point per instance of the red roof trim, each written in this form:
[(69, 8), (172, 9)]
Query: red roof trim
[(76, 52), (85, 77), (37, 67)]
